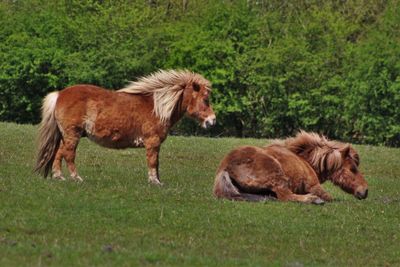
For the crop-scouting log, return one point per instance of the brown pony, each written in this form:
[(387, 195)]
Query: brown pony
[(139, 115), (290, 170)]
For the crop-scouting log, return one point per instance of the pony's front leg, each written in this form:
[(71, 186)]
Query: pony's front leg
[(319, 191), (152, 151)]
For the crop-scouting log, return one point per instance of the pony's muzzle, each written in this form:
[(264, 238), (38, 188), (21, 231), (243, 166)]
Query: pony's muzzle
[(209, 122), (362, 194)]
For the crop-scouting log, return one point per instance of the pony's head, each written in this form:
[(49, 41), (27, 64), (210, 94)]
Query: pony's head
[(197, 95), (348, 176), (332, 161), (176, 92)]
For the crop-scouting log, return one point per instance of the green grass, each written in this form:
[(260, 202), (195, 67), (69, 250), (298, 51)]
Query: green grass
[(115, 218)]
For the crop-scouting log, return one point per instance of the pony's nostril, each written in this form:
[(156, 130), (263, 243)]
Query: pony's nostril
[(209, 122), (362, 195)]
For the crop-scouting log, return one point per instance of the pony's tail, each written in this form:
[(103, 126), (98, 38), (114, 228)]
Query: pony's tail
[(49, 136), (224, 188)]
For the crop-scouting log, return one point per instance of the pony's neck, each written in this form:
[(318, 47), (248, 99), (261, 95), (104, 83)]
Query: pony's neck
[(179, 111), (324, 163), (323, 176)]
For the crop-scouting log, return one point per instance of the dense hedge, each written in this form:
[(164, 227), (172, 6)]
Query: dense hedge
[(276, 66)]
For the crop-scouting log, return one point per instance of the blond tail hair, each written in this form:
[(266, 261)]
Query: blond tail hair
[(224, 188), (49, 136)]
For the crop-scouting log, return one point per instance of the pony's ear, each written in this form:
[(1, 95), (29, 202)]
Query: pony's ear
[(356, 159), (196, 87), (345, 151)]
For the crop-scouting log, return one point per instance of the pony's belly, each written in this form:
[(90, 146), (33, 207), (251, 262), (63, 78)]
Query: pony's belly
[(115, 135), (117, 141)]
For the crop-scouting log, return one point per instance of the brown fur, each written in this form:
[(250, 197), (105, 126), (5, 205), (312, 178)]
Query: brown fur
[(290, 170), (119, 119)]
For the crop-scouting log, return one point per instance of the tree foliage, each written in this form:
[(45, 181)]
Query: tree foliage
[(276, 66)]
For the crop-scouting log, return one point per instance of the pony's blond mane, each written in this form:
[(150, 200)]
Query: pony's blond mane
[(166, 86), (324, 155)]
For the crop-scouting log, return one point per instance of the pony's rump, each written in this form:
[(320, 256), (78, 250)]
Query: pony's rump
[(224, 187), (49, 136)]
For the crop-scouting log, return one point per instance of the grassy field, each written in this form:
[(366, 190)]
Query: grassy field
[(115, 218)]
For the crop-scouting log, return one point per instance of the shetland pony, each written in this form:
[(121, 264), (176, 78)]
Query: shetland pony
[(139, 115), (290, 170)]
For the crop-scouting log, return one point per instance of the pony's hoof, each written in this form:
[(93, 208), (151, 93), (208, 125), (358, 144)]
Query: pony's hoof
[(77, 178), (58, 177), (318, 201), (156, 182)]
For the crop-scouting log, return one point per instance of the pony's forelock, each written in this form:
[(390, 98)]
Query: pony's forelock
[(166, 86)]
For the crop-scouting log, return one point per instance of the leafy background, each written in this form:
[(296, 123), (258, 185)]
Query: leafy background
[(276, 66)]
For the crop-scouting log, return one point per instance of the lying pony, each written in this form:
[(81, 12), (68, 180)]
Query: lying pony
[(290, 170)]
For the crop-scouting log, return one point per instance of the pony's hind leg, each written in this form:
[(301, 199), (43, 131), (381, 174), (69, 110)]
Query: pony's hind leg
[(286, 195), (67, 151), (56, 172), (70, 159), (278, 184)]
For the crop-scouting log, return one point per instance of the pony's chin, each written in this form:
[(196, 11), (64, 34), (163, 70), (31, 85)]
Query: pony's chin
[(209, 122), (361, 196), (361, 193), (205, 125)]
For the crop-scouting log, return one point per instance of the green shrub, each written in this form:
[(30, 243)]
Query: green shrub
[(276, 66)]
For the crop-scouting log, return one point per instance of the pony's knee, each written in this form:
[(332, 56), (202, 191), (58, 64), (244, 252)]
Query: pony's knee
[(320, 192), (283, 193)]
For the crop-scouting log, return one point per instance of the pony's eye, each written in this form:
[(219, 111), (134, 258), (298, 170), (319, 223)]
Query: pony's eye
[(206, 102), (353, 169), (196, 87)]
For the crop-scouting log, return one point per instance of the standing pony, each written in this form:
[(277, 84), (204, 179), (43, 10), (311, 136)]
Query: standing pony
[(139, 115), (292, 170)]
